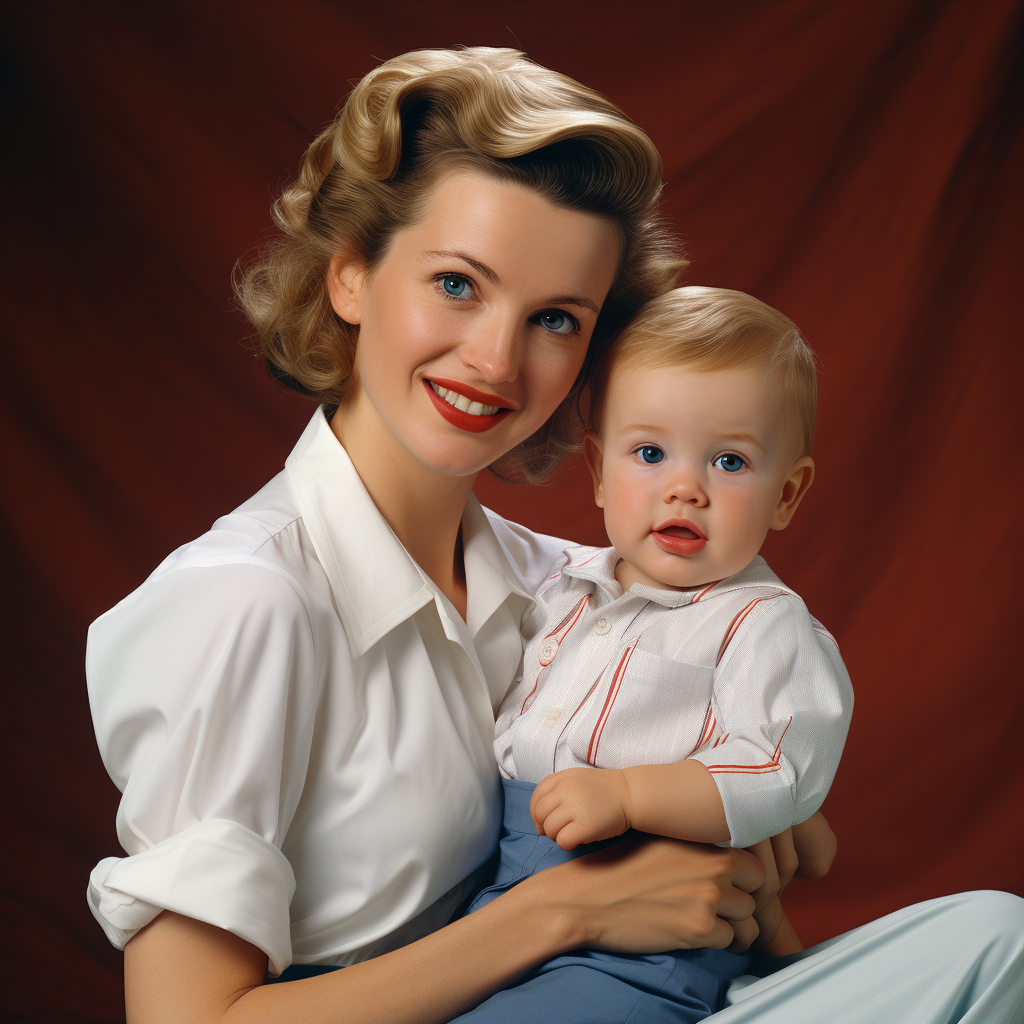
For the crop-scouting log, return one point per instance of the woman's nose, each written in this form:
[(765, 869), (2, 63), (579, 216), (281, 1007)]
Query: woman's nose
[(494, 349)]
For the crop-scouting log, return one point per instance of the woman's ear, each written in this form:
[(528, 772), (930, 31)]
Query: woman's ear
[(592, 457), (345, 279), (797, 484)]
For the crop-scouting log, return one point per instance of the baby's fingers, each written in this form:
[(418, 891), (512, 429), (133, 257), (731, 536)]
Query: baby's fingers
[(570, 836), (544, 799), (554, 822), (543, 807)]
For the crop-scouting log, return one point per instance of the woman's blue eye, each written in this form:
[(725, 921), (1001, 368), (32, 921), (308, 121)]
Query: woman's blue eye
[(730, 463), (650, 453), (455, 285), (557, 322)]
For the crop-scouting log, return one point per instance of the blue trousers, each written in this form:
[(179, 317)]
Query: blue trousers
[(588, 986)]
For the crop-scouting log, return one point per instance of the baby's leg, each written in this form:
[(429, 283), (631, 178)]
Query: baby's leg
[(589, 987), (592, 986)]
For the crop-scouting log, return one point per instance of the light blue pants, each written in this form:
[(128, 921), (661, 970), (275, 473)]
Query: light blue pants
[(592, 986), (954, 959)]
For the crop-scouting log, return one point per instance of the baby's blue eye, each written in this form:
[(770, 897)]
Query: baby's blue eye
[(650, 453), (455, 285), (730, 463)]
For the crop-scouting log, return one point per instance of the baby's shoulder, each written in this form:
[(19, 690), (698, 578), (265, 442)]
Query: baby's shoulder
[(755, 606)]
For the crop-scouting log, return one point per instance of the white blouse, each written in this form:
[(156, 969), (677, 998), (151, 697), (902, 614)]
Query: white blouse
[(301, 723)]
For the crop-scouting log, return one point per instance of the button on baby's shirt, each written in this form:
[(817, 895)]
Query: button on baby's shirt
[(602, 626), (552, 714), (548, 652)]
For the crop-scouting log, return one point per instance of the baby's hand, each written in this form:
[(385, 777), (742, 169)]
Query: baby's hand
[(581, 805)]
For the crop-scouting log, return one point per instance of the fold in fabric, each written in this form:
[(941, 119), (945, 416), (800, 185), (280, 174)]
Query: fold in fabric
[(216, 871)]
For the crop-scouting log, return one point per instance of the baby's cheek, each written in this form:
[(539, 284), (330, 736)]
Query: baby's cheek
[(626, 514)]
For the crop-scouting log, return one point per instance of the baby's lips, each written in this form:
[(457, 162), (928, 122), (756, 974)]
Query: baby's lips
[(670, 527), (677, 544)]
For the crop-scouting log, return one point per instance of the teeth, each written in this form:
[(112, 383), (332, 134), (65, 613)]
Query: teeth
[(464, 403)]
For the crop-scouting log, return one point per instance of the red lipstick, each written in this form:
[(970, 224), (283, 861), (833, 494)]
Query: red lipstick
[(679, 537), (471, 393), (464, 420)]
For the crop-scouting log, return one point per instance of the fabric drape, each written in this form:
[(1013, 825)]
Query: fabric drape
[(856, 166)]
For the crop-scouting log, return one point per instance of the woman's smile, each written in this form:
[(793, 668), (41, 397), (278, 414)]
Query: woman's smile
[(465, 411)]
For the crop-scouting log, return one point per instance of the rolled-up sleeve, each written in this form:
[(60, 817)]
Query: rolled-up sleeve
[(782, 704), (203, 688)]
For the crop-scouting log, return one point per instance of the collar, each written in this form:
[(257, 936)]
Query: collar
[(492, 571), (375, 583), (755, 575), (598, 566)]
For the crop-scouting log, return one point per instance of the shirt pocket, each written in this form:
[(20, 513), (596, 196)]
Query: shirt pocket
[(652, 712)]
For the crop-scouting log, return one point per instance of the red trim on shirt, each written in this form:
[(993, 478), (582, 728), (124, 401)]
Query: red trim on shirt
[(737, 622), (707, 731), (613, 692), (753, 769), (563, 627)]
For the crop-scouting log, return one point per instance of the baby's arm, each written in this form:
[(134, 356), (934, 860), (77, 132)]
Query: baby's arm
[(583, 805)]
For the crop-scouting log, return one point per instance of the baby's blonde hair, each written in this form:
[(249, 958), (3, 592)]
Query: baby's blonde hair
[(406, 124), (717, 329)]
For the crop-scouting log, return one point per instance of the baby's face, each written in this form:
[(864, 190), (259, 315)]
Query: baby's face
[(692, 468)]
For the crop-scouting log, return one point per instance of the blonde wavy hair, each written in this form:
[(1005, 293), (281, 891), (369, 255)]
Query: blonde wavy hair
[(366, 176), (717, 329)]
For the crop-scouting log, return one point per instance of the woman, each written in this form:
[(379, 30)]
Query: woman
[(298, 706)]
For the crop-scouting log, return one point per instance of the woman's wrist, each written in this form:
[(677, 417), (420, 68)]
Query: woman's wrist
[(542, 906)]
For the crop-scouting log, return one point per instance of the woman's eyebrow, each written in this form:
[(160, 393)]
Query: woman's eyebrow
[(574, 300), (447, 254)]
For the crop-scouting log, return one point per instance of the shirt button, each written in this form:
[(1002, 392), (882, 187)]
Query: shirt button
[(552, 714), (602, 626), (548, 652)]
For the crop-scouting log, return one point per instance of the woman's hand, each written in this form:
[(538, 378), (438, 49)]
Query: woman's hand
[(803, 851), (652, 894)]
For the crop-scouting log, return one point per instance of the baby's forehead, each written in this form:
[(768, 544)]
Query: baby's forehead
[(630, 380), (740, 391)]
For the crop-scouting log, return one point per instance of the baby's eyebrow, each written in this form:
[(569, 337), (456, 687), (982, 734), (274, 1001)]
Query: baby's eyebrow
[(638, 428), (744, 439)]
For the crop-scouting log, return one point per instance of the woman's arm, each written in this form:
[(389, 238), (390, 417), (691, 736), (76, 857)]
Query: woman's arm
[(639, 896)]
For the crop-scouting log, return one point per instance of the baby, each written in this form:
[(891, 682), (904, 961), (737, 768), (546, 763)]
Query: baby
[(676, 685)]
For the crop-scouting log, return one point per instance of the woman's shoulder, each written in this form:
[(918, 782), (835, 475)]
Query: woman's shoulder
[(260, 553)]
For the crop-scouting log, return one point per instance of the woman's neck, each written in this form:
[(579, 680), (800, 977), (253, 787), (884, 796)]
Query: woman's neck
[(421, 505)]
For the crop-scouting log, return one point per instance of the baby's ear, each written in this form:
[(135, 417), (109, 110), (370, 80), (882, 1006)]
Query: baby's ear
[(592, 456), (797, 484)]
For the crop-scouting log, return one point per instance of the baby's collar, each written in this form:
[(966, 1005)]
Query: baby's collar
[(598, 566)]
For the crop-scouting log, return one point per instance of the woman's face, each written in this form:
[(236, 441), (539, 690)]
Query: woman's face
[(474, 325)]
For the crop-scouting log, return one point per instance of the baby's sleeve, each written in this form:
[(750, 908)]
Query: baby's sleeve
[(779, 716), (203, 687)]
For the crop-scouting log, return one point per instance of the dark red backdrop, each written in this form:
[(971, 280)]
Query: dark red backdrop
[(858, 166)]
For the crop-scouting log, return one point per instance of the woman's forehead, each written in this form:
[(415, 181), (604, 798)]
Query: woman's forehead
[(510, 233)]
